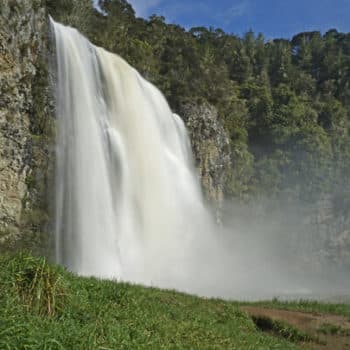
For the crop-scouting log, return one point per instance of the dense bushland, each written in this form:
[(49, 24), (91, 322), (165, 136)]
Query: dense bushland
[(284, 103)]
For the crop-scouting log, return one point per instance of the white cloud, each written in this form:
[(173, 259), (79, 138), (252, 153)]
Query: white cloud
[(97, 6), (196, 13), (238, 10), (144, 8), (172, 10), (95, 3)]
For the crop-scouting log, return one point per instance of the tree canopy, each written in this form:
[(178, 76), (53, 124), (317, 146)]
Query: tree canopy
[(284, 103)]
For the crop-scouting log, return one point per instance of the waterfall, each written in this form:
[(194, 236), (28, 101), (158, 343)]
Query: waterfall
[(128, 199)]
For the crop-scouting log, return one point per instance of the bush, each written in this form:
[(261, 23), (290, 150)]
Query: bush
[(38, 286)]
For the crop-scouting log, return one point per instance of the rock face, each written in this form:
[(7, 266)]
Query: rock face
[(330, 222), (24, 118), (211, 149)]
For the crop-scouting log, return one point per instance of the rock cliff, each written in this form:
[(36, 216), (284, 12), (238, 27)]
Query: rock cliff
[(211, 148), (25, 119)]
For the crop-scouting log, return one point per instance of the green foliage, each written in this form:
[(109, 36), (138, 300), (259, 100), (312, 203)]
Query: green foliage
[(39, 114), (281, 329), (328, 328), (43, 306), (284, 103), (307, 306), (39, 286)]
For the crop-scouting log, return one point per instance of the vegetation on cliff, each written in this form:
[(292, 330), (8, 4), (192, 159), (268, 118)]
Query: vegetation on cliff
[(284, 103), (26, 125)]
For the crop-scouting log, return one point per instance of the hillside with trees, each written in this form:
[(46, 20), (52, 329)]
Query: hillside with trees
[(284, 103)]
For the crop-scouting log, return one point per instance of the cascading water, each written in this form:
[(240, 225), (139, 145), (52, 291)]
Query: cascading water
[(128, 200)]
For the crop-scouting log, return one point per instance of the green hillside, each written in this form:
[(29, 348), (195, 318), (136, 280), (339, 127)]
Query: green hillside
[(44, 307)]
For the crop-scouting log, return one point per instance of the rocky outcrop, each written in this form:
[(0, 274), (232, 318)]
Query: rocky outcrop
[(211, 148), (25, 118)]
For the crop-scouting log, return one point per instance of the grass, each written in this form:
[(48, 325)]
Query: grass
[(42, 306), (328, 328), (307, 306), (39, 287), (282, 329)]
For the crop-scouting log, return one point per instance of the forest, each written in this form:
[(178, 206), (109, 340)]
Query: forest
[(285, 103)]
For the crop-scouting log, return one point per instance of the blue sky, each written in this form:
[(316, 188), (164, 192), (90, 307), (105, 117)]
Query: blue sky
[(274, 18)]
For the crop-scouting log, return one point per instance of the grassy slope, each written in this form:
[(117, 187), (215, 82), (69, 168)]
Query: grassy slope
[(44, 307), (306, 306)]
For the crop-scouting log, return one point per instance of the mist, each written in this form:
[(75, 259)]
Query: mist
[(129, 205), (273, 249)]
